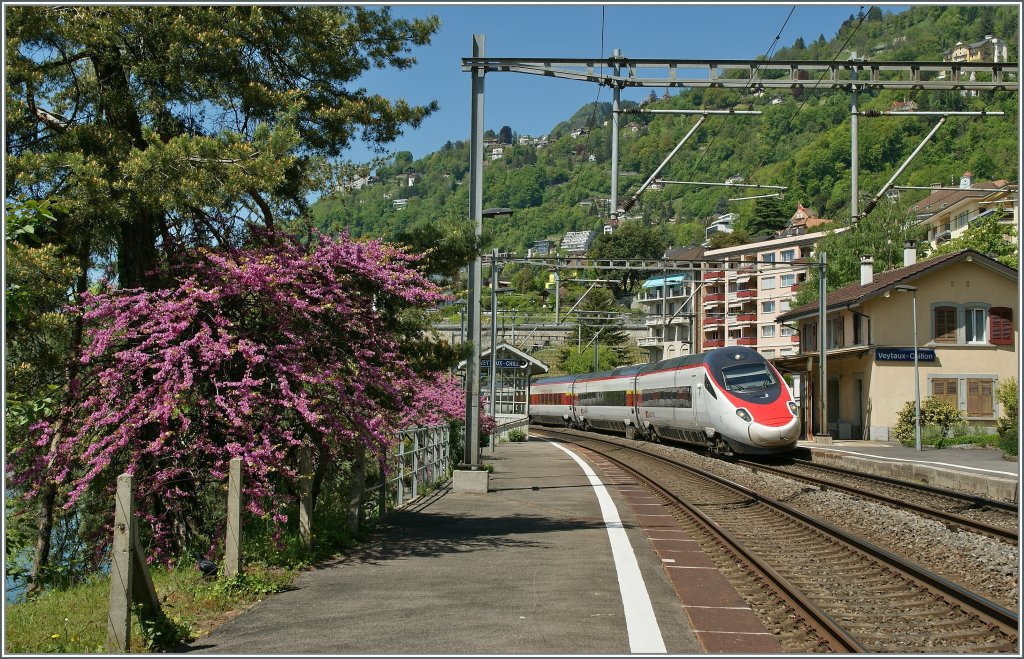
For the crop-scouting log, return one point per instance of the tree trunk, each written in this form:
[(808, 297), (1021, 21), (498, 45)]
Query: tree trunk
[(136, 243), (320, 473), (358, 487), (48, 499), (44, 533)]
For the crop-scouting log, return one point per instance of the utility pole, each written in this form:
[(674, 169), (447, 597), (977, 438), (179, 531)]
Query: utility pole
[(822, 347), (471, 454), (854, 148), (616, 109), (494, 337)]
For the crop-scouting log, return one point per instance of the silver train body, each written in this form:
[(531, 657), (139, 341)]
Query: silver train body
[(731, 400)]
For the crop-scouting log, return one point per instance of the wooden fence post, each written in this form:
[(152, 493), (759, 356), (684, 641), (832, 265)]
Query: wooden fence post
[(129, 573), (233, 541), (119, 619), (306, 496)]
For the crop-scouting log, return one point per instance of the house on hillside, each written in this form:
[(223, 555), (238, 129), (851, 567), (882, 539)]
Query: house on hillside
[(903, 106), (804, 220), (989, 49), (966, 309), (946, 214)]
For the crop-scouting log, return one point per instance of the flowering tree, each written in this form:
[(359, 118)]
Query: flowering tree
[(260, 351)]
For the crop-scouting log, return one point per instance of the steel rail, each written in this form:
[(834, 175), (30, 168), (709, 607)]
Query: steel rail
[(988, 611), (947, 518), (831, 632), (974, 499)]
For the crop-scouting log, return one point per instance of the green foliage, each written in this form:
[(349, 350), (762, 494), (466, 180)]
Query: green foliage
[(633, 240), (516, 435), (733, 238), (881, 235), (937, 416), (803, 143), (1009, 405), (986, 235), (573, 361)]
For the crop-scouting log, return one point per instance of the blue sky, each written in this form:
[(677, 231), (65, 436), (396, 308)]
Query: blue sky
[(533, 105)]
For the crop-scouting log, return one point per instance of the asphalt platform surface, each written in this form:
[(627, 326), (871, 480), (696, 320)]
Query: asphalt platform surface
[(526, 568)]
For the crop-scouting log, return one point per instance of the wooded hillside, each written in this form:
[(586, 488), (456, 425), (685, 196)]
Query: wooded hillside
[(801, 141)]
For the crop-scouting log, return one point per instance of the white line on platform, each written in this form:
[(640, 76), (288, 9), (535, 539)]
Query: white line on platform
[(641, 624)]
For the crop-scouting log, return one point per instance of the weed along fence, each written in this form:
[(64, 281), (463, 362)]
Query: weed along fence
[(502, 432)]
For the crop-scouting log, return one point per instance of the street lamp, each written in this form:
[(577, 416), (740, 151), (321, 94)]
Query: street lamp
[(904, 288)]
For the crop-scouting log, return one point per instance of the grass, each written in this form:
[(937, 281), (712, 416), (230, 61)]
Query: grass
[(74, 621)]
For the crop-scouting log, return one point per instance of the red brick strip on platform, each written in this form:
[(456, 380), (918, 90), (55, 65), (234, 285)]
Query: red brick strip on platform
[(721, 619)]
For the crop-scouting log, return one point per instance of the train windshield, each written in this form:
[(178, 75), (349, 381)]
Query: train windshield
[(747, 377)]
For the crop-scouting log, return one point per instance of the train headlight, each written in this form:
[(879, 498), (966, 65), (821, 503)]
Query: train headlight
[(745, 415), (792, 408)]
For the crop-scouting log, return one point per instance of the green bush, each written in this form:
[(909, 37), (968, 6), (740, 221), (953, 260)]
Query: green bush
[(1006, 393), (516, 436), (937, 416)]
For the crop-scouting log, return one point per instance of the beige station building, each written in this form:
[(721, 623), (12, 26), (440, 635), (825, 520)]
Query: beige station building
[(967, 340)]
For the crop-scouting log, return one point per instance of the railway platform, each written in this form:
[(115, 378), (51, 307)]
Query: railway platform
[(565, 554), (982, 471)]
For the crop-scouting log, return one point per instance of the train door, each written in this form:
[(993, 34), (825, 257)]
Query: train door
[(634, 408), (687, 411), (704, 399)]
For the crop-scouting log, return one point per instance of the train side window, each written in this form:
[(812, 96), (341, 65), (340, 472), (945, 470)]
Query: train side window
[(708, 387)]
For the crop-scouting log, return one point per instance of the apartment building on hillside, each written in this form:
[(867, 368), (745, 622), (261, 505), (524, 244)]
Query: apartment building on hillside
[(746, 287)]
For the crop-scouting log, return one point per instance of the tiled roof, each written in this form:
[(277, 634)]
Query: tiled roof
[(884, 281), (941, 199), (685, 253)]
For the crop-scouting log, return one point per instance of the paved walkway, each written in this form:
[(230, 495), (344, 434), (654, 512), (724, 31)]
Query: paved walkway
[(527, 568)]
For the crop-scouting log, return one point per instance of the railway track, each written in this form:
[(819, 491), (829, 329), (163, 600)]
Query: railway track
[(991, 517), (852, 595)]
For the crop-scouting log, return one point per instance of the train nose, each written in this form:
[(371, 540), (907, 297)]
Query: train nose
[(762, 435)]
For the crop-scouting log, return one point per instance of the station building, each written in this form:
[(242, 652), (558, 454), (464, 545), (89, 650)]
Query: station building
[(967, 340), (514, 368)]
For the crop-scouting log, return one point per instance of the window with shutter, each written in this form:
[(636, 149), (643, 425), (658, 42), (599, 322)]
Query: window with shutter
[(1000, 326), (979, 397), (945, 324), (944, 389)]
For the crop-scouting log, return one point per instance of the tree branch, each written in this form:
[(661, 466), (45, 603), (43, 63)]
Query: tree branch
[(268, 214)]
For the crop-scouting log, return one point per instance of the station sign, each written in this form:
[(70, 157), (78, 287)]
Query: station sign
[(504, 363), (904, 355)]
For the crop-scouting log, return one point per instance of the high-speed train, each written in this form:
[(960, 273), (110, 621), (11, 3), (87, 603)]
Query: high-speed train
[(730, 400)]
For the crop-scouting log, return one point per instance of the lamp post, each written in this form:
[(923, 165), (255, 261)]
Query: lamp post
[(904, 288)]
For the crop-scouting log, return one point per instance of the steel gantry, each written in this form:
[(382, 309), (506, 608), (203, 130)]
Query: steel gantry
[(618, 72), (853, 75)]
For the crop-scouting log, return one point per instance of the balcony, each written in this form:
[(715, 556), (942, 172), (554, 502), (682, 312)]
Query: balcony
[(713, 322), (648, 341), (714, 297), (747, 292), (795, 338), (746, 341), (747, 318), (714, 343), (714, 274)]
